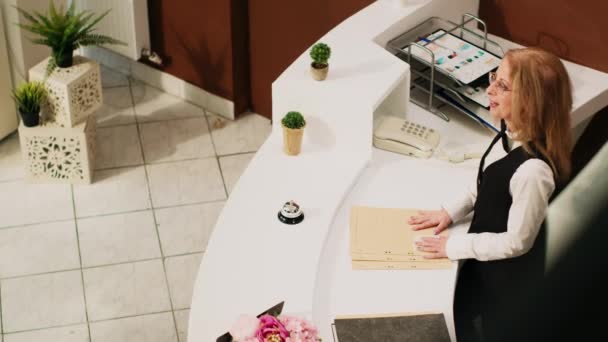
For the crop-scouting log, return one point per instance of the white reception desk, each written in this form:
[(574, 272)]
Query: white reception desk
[(253, 261)]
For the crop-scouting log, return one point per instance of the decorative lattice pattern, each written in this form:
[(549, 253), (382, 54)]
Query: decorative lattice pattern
[(55, 105), (84, 96), (91, 137), (74, 92), (55, 157), (57, 154)]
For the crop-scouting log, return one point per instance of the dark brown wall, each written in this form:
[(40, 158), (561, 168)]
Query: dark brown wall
[(201, 43), (236, 48), (574, 30), (280, 31)]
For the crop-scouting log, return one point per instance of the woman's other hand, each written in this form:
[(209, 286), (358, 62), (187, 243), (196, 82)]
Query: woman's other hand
[(439, 220), (435, 246)]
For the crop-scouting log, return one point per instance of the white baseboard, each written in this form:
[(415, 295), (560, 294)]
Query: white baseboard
[(162, 80)]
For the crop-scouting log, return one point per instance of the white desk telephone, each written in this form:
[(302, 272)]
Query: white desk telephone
[(405, 137)]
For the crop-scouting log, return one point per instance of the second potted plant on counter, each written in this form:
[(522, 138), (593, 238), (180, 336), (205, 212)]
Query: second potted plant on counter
[(29, 98), (319, 67), (293, 129)]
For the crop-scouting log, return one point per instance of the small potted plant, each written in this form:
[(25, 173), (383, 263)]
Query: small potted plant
[(29, 97), (65, 31), (320, 54), (293, 129)]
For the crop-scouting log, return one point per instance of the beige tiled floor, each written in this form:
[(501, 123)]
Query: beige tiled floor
[(116, 260)]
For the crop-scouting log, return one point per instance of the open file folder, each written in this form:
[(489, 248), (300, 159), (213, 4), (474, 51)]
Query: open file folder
[(381, 238)]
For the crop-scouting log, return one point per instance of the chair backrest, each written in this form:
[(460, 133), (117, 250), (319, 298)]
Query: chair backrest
[(573, 292), (578, 204)]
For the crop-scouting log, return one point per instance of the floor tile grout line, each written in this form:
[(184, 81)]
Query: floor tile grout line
[(236, 154), (135, 122), (116, 124), (146, 121), (145, 84), (217, 158), (101, 265), (133, 316), (162, 91), (176, 329), (134, 108), (95, 321), (154, 163), (45, 328), (160, 245), (114, 213), (157, 163), (84, 292), (36, 223)]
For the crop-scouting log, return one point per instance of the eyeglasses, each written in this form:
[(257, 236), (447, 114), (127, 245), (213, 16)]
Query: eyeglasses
[(500, 85)]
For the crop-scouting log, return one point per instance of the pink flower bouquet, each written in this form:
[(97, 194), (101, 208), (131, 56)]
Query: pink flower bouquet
[(268, 328)]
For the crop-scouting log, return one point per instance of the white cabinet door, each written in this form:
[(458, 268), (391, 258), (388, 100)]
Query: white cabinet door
[(8, 115)]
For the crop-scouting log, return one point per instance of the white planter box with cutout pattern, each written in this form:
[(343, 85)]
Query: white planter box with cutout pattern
[(74, 92), (54, 154)]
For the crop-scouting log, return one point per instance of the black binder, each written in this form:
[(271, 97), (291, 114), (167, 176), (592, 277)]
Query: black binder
[(403, 328)]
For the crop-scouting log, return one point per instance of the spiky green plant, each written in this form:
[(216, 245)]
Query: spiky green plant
[(64, 31), (293, 120), (29, 97), (320, 54)]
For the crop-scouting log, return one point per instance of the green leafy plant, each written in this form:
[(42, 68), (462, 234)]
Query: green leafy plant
[(320, 54), (64, 31), (29, 97), (293, 120)]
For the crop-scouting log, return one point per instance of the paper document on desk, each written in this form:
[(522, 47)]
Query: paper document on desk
[(382, 238)]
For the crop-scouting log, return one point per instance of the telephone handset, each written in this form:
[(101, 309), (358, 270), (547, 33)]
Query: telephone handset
[(405, 137)]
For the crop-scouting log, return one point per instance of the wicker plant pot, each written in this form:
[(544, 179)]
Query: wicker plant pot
[(292, 140), (319, 73)]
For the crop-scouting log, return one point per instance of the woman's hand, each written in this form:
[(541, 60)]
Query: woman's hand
[(435, 246), (437, 219)]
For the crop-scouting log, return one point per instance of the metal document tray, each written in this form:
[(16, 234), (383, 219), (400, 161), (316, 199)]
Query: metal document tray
[(433, 88)]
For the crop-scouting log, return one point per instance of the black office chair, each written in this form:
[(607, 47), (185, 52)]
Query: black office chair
[(571, 302)]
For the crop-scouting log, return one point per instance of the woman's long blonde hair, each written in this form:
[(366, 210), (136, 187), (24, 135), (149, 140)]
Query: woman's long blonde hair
[(541, 104)]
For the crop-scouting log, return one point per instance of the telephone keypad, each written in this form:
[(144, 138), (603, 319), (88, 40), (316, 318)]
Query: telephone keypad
[(416, 129)]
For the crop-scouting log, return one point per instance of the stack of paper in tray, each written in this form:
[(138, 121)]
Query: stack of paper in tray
[(382, 238)]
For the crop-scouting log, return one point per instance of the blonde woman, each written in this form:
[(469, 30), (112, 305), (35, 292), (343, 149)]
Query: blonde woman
[(531, 94)]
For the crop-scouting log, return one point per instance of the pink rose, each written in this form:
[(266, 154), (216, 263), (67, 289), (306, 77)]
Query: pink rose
[(244, 328), (300, 330), (271, 330)]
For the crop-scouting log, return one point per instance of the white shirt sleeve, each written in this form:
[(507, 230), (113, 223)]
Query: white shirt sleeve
[(531, 187), (463, 205)]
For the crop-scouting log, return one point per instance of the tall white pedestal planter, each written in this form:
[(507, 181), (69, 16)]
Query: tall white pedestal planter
[(73, 93)]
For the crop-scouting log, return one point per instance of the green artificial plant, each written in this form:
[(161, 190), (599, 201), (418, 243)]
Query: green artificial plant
[(320, 54), (29, 98), (293, 120), (65, 31)]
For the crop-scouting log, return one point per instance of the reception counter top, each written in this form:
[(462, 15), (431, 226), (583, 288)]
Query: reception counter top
[(253, 261)]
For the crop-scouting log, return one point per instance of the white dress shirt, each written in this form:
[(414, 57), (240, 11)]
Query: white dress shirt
[(531, 187)]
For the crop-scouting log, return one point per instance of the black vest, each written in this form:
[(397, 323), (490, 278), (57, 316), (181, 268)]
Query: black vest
[(501, 280)]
